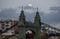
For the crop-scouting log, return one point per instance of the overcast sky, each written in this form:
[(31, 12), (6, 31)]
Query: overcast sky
[(49, 10)]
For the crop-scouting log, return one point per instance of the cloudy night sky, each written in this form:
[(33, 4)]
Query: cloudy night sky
[(49, 10)]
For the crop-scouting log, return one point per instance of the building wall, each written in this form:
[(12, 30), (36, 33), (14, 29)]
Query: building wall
[(16, 28), (3, 27), (9, 32), (54, 37), (14, 37)]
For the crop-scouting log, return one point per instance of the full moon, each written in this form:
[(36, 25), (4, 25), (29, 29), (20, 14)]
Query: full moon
[(29, 4)]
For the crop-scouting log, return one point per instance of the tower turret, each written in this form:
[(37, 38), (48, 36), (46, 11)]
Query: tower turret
[(21, 25), (37, 18), (22, 16), (37, 22)]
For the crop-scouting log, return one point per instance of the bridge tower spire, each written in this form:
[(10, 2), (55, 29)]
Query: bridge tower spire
[(22, 25), (37, 22), (22, 16), (37, 17)]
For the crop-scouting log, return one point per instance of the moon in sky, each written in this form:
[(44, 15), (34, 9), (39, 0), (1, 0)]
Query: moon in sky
[(29, 4)]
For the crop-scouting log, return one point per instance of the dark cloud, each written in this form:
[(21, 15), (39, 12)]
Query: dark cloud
[(52, 18), (55, 8), (11, 13), (8, 13)]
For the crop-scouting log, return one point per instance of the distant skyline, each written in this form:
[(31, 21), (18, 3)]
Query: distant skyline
[(49, 10)]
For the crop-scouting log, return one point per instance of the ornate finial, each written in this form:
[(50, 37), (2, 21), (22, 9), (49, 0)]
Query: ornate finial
[(22, 8), (37, 9)]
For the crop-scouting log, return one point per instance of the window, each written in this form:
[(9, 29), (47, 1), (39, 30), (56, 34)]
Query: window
[(7, 25), (7, 22), (0, 31)]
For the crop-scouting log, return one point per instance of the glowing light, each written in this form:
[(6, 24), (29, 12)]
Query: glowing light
[(29, 4), (28, 32)]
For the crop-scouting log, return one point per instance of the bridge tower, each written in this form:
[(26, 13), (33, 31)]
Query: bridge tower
[(21, 25), (37, 22), (29, 30)]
